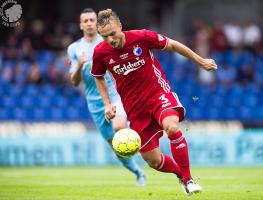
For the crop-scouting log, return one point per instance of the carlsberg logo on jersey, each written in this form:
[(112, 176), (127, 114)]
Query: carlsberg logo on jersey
[(127, 68)]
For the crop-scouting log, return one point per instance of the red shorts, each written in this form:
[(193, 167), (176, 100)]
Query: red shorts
[(147, 122)]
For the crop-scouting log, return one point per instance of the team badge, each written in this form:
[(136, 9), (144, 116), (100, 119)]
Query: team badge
[(137, 51)]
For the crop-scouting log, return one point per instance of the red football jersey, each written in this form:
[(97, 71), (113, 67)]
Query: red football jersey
[(138, 75)]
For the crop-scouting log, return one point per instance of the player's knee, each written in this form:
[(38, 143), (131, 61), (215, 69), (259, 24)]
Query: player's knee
[(153, 163), (170, 124), (171, 128)]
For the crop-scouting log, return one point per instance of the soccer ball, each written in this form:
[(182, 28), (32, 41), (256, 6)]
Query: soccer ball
[(126, 142)]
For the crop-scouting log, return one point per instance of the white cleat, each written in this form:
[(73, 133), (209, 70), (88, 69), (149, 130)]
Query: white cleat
[(191, 187), (141, 181)]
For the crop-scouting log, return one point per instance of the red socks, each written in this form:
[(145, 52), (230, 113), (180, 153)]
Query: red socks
[(179, 151), (168, 165)]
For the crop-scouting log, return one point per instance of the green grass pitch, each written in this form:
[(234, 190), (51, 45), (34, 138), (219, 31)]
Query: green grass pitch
[(116, 183)]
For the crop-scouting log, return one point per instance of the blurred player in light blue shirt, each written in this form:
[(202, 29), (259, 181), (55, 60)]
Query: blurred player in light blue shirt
[(80, 54)]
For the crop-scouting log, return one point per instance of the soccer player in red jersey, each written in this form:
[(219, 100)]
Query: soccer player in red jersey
[(150, 104)]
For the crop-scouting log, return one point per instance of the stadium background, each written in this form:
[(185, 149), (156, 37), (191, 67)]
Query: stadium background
[(44, 120)]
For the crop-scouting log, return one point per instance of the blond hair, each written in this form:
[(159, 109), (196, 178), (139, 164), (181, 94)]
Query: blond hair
[(105, 16)]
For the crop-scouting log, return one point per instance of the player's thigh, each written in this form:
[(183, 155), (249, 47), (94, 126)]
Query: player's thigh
[(120, 120)]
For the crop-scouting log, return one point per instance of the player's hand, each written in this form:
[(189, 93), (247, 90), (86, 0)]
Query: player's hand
[(209, 64), (110, 111), (82, 59)]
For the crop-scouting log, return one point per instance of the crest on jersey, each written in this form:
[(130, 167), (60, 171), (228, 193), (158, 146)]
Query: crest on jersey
[(137, 51)]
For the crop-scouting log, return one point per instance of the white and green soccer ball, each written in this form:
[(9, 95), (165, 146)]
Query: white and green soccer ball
[(126, 142)]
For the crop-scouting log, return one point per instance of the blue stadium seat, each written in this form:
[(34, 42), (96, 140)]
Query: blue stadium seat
[(214, 113), (195, 113), (46, 56), (84, 114), (45, 101), (250, 101), (6, 89), (20, 114), (218, 57), (57, 114), (10, 102), (49, 90), (31, 90), (60, 101), (202, 101), (73, 114), (229, 58), (245, 113), (6, 114), (78, 102), (252, 89), (27, 101), (217, 101), (258, 113), (230, 113), (42, 114), (244, 58)]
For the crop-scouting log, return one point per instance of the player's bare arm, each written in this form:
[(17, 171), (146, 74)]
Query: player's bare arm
[(76, 76), (110, 110), (207, 64)]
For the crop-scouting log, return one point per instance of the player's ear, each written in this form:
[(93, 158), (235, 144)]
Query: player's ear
[(80, 25)]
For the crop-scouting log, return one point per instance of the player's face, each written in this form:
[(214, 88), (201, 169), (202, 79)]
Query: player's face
[(88, 23), (112, 34)]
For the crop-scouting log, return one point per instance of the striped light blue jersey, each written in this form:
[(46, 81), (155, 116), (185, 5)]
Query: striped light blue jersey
[(92, 94)]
